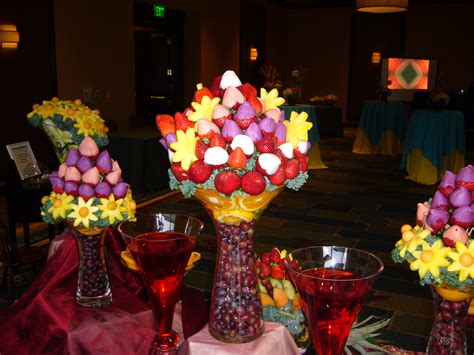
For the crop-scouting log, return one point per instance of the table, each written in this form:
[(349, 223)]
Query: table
[(382, 128), (315, 161), (435, 143), (329, 120), (143, 160), (46, 318)]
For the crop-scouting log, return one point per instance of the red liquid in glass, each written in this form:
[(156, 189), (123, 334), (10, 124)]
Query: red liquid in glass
[(162, 265), (331, 306)]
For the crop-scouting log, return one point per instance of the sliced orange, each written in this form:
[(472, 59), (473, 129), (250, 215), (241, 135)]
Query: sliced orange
[(233, 217), (257, 202), (214, 200), (452, 294)]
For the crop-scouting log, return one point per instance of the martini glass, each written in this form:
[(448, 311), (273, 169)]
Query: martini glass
[(332, 282), (161, 245)]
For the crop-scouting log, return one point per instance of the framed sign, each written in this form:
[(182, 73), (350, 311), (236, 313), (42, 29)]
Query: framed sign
[(24, 158)]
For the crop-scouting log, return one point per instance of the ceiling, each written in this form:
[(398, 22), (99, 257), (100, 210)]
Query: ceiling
[(352, 3)]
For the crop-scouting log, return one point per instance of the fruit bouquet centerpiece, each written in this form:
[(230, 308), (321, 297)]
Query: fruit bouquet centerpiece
[(438, 99), (67, 123), (440, 248), (89, 196), (326, 100), (235, 152)]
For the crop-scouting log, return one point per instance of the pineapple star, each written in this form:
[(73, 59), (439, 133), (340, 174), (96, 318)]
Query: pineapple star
[(297, 128), (185, 148), (203, 109), (270, 99)]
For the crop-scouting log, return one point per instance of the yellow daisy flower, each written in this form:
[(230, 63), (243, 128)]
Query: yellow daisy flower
[(185, 148), (430, 258), (463, 260), (270, 99), (297, 128), (60, 205), (203, 109), (130, 205), (112, 209), (47, 110), (411, 240), (85, 126), (83, 212)]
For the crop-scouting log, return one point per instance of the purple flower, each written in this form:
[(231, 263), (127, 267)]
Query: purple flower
[(460, 197)]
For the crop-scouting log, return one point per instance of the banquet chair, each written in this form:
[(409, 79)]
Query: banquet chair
[(14, 259)]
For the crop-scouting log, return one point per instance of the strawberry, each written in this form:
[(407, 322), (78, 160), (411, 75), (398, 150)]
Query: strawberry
[(449, 242), (227, 181), (279, 177), (199, 172), (201, 148), (265, 258), (277, 272), (247, 90), (446, 191), (181, 122), (297, 153), (282, 157), (256, 104), (274, 256), (266, 145), (253, 183), (303, 163), (265, 269), (237, 159), (179, 172), (215, 90), (217, 141), (201, 92), (292, 169), (165, 124), (467, 184)]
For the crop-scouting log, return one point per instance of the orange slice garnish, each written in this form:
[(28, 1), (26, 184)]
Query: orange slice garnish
[(257, 202), (452, 294), (215, 200)]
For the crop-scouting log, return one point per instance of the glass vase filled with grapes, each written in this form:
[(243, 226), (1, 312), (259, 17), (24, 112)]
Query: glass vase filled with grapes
[(161, 245), (332, 282)]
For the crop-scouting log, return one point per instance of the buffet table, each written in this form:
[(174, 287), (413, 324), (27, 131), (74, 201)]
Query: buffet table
[(435, 143), (382, 128), (46, 318), (143, 160), (315, 161)]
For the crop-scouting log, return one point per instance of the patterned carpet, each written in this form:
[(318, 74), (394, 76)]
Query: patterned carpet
[(359, 201)]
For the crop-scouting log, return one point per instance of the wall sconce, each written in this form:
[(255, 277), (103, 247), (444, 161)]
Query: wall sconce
[(253, 54), (9, 37), (382, 6), (376, 57)]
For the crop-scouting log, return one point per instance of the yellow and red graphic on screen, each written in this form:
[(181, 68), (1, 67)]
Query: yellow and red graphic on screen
[(408, 73)]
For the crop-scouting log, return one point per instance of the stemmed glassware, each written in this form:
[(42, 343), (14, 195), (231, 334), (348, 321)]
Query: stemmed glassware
[(161, 245), (332, 282)]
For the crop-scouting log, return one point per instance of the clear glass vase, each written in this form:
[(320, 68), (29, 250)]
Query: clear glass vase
[(93, 288), (236, 310), (448, 335)]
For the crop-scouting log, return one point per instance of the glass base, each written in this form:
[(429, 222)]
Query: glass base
[(165, 343), (96, 301), (236, 339)]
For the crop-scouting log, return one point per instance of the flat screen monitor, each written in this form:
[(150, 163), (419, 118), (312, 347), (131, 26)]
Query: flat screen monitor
[(405, 76)]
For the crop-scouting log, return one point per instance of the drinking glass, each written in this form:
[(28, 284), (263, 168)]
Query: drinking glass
[(332, 282), (161, 245)]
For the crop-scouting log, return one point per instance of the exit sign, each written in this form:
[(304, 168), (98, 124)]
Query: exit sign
[(158, 11)]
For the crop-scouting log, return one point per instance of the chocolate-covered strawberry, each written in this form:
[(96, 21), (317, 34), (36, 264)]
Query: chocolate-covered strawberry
[(437, 219), (447, 184)]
